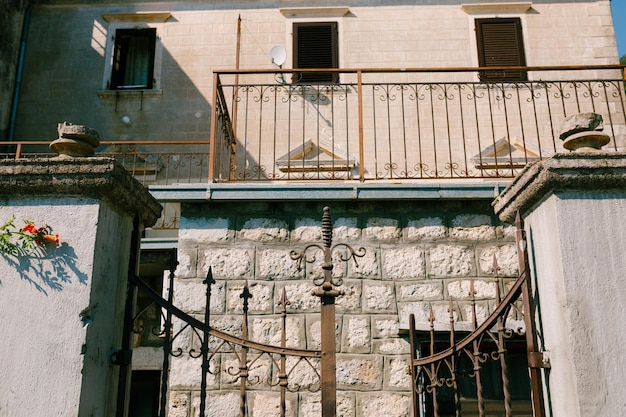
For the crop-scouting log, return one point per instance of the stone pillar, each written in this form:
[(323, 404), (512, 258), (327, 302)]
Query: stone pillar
[(574, 206), (62, 307)]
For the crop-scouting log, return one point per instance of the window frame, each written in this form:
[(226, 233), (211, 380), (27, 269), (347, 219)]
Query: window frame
[(515, 35), (121, 54), (333, 58)]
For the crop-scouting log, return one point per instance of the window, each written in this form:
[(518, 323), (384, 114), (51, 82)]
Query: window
[(500, 43), (133, 59), (315, 46)]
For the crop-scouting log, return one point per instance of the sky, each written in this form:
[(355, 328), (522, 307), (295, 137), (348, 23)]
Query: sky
[(619, 21)]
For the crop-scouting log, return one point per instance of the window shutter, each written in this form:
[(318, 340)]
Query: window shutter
[(500, 43), (315, 46)]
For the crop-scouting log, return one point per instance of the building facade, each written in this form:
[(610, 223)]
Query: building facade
[(386, 120)]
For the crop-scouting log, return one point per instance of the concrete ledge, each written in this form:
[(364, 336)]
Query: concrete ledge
[(311, 191), (99, 178), (572, 171)]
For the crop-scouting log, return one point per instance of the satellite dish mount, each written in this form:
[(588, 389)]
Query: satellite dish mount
[(278, 54)]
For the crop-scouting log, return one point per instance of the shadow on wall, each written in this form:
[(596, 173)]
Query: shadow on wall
[(47, 268)]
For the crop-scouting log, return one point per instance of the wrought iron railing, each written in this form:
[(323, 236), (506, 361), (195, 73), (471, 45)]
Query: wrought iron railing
[(378, 124), (493, 370), (385, 124)]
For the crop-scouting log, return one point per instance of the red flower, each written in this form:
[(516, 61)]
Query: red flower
[(29, 228), (52, 238)]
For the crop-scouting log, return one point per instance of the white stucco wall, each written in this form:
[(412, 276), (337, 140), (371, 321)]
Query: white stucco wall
[(577, 246), (52, 359)]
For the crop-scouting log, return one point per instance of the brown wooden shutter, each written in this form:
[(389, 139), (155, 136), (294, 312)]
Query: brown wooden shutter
[(500, 43), (315, 46)]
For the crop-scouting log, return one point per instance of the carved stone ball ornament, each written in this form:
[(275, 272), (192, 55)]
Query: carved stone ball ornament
[(75, 141)]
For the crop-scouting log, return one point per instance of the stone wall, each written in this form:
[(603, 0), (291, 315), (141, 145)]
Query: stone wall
[(417, 254)]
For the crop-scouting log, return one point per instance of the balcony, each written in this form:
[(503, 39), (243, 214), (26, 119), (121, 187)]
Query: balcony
[(377, 125)]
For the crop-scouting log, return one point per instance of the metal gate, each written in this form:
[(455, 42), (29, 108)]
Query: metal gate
[(455, 373), (246, 351)]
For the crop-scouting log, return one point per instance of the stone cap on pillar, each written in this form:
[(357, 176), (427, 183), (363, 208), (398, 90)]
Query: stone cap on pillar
[(593, 171), (99, 178)]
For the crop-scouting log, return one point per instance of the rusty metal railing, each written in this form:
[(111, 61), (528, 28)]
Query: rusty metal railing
[(381, 124), (375, 124), (233, 357), (495, 369)]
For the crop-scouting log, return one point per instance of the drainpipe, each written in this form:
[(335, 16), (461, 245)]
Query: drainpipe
[(20, 66)]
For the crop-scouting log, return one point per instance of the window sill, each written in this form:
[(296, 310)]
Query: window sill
[(108, 94)]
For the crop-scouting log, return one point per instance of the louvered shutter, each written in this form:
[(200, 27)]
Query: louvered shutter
[(315, 46), (500, 43)]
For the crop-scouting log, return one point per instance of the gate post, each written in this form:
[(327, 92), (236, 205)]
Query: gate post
[(573, 207), (328, 294), (327, 297)]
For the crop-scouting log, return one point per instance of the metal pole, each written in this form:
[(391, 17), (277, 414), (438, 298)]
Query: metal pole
[(327, 296)]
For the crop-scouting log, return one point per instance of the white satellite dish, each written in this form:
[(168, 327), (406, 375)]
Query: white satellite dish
[(279, 55)]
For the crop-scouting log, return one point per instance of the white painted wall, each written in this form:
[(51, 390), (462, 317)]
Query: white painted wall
[(577, 248), (52, 362)]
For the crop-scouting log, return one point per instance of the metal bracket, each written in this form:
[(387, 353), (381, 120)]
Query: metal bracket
[(121, 357), (538, 359)]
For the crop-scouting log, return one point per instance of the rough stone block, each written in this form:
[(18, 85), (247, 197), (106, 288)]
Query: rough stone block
[(475, 227), (417, 291), (506, 257), (311, 404), (267, 330), (264, 230), (262, 300), (460, 289), (356, 334), (190, 296), (345, 229), (382, 229), (367, 266), (267, 404), (182, 336), (259, 369), (482, 308), (222, 403), (314, 269), (277, 264), (350, 301), (187, 262), (178, 405), (390, 346), (230, 263), (359, 372), (421, 310), (397, 373), (203, 230), (186, 371), (386, 404), (385, 326), (228, 324), (307, 230), (299, 296), (403, 263), (303, 374), (379, 297), (450, 261), (425, 229)]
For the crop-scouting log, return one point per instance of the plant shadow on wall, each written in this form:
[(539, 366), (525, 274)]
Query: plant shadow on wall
[(38, 256)]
